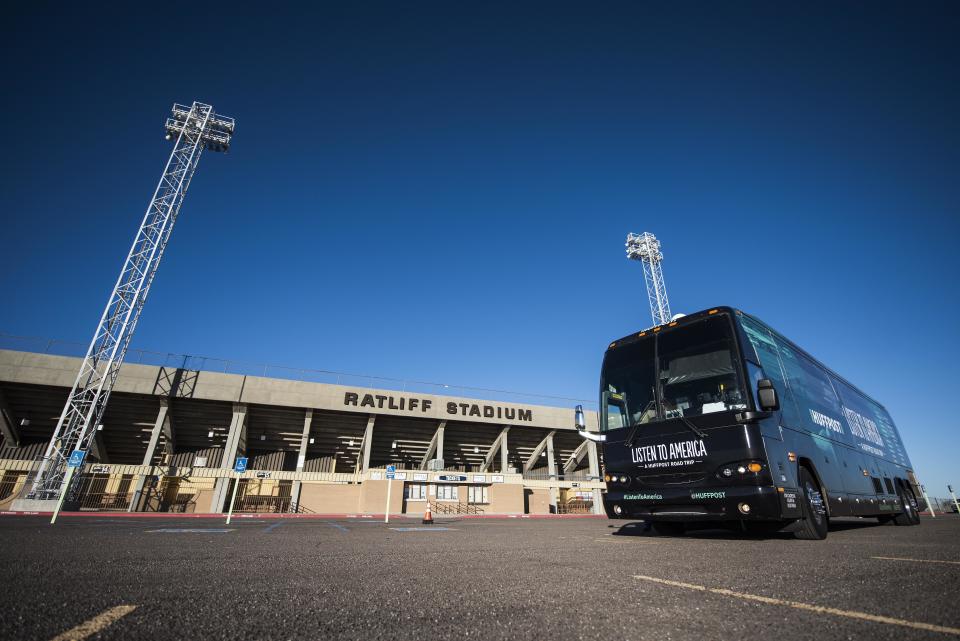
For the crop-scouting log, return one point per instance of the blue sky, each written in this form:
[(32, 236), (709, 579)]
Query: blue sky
[(441, 192)]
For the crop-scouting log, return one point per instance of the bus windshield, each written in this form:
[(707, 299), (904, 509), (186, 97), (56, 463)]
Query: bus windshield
[(688, 371)]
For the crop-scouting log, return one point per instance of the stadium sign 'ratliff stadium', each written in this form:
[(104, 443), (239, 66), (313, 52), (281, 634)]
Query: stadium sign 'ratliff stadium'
[(414, 404)]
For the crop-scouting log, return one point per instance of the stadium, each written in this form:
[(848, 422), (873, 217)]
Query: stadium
[(171, 434)]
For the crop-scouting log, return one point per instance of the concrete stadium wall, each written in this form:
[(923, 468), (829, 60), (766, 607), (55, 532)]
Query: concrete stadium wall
[(61, 371), (320, 447), (325, 498)]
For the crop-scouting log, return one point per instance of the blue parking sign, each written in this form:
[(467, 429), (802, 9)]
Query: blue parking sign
[(76, 458), (391, 472), (241, 465)]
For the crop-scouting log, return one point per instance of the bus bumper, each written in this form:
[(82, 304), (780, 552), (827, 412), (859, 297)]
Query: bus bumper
[(703, 504)]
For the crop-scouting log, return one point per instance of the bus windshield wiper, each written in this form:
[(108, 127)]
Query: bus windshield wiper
[(693, 428), (632, 435), (628, 442)]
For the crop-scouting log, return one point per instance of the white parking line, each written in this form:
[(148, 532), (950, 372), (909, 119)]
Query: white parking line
[(191, 530), (96, 624), (850, 614), (897, 558), (624, 540)]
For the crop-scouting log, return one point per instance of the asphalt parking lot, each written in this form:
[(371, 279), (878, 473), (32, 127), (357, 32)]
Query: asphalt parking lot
[(121, 578)]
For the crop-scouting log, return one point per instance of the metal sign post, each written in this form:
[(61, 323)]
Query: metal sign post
[(927, 499), (75, 461), (954, 497), (391, 474), (239, 468)]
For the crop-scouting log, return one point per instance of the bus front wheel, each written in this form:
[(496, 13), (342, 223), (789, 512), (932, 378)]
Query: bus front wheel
[(813, 526)]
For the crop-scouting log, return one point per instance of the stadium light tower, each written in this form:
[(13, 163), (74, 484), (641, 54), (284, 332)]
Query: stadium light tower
[(646, 248), (194, 129)]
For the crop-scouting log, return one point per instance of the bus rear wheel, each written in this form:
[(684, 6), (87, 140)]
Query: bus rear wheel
[(908, 505), (813, 526)]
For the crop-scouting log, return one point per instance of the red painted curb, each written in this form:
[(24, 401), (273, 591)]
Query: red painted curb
[(174, 515)]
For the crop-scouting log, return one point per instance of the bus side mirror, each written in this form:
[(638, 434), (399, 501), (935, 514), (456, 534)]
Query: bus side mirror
[(578, 419), (581, 426), (767, 395)]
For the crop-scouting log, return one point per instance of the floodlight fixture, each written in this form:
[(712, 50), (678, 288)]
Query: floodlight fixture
[(215, 131), (645, 248)]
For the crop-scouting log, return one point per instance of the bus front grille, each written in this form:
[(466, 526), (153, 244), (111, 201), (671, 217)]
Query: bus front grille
[(660, 480)]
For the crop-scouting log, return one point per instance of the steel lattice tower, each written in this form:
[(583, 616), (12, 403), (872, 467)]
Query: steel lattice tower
[(194, 128), (646, 248)]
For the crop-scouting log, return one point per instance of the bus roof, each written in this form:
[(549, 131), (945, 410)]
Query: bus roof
[(723, 309), (629, 338)]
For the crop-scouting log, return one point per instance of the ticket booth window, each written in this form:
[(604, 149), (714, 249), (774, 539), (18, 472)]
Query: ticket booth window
[(416, 492), (477, 494), (448, 493)]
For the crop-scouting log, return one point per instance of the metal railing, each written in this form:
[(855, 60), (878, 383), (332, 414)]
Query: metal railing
[(105, 501), (10, 483), (184, 503), (57, 347), (262, 504), (575, 506), (94, 495), (453, 507)]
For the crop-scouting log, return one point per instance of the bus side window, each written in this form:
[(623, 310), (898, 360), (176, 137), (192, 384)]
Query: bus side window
[(895, 449), (819, 407), (772, 369), (871, 425)]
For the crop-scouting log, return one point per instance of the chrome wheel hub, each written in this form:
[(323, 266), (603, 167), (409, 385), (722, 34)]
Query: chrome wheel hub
[(816, 502)]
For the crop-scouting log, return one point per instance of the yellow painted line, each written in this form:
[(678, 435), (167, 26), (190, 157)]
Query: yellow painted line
[(96, 624), (897, 558), (850, 614)]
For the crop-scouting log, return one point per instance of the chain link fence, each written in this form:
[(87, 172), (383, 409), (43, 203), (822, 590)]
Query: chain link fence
[(943, 505)]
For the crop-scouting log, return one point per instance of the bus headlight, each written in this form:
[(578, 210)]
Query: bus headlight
[(617, 479), (743, 471)]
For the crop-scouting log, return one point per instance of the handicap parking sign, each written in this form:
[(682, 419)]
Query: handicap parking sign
[(76, 458), (391, 472), (241, 465)]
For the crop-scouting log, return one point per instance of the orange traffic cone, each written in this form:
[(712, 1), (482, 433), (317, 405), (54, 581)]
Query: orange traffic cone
[(428, 516)]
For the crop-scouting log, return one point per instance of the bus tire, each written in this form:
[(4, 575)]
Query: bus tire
[(814, 524), (669, 528), (908, 506)]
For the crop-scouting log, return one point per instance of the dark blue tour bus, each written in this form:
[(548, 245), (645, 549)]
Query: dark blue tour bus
[(717, 417)]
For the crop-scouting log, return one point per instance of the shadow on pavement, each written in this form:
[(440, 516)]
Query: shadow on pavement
[(734, 531)]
